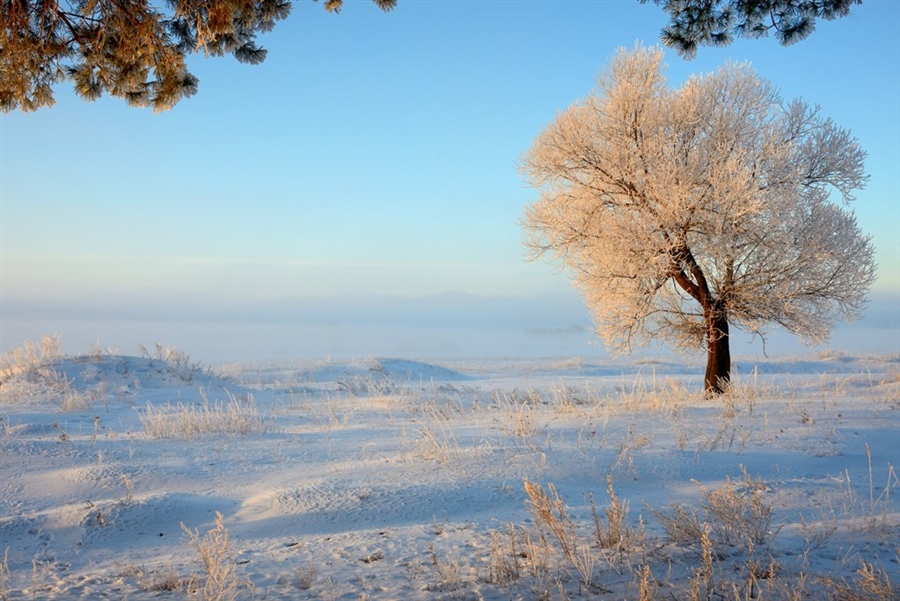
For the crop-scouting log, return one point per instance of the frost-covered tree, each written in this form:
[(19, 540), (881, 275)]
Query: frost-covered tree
[(680, 212), (718, 22), (130, 49)]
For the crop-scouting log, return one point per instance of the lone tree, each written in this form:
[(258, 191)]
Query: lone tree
[(680, 212), (131, 49), (717, 22)]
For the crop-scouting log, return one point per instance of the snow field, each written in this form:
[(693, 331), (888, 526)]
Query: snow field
[(475, 479)]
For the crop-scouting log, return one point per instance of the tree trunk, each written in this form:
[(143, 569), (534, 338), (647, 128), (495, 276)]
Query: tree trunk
[(718, 353)]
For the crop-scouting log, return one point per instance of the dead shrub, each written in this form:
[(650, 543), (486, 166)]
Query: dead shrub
[(215, 553), (871, 584), (735, 517)]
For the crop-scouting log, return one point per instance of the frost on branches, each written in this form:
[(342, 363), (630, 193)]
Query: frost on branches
[(135, 50), (679, 212)]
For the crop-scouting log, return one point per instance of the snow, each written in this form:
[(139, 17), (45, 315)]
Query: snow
[(395, 478)]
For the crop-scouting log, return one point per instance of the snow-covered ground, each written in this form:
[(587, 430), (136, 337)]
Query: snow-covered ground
[(149, 476)]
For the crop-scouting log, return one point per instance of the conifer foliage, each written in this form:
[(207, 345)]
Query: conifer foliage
[(717, 22), (135, 49), (680, 212), (130, 49)]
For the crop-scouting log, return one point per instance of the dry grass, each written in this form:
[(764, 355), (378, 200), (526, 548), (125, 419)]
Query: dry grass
[(628, 444), (516, 554), (236, 416), (517, 418), (564, 398), (28, 374), (870, 584), (650, 393), (41, 384), (703, 582), (506, 558), (74, 400), (159, 581), (29, 356), (729, 516), (615, 533), (878, 506), (550, 517), (177, 361), (220, 582), (4, 575), (436, 440), (446, 573), (647, 586), (739, 516)]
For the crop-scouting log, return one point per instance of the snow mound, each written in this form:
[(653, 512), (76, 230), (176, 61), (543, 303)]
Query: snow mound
[(403, 369), (380, 368)]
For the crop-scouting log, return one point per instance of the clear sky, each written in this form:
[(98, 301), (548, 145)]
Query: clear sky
[(367, 168)]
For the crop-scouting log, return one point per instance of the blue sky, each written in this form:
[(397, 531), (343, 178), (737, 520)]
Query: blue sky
[(369, 163)]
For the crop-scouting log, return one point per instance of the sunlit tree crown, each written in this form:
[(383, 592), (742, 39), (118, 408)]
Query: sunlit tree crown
[(679, 211)]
